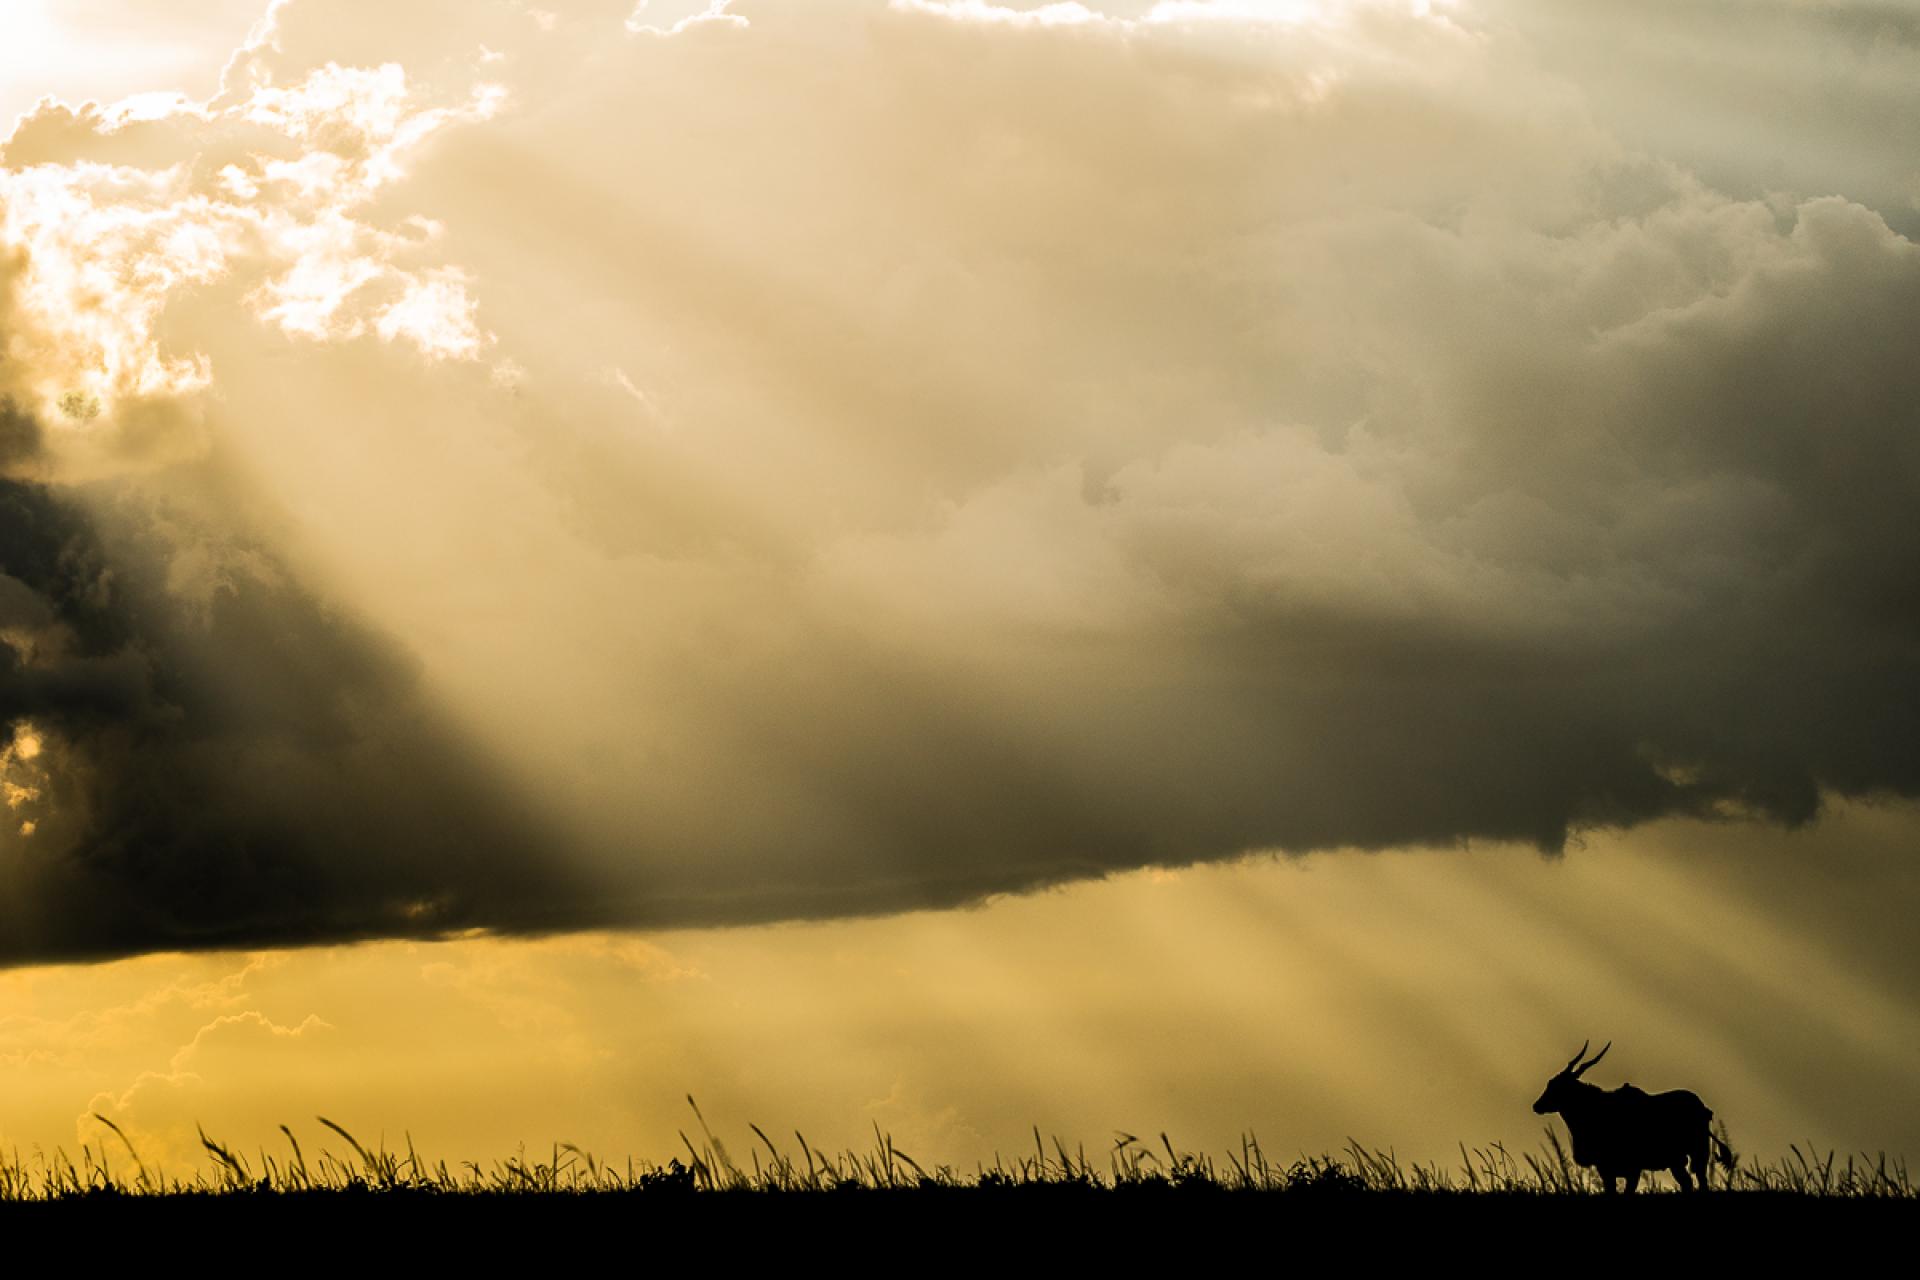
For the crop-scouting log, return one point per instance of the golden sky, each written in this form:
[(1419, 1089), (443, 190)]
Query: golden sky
[(1412, 999), (1187, 564)]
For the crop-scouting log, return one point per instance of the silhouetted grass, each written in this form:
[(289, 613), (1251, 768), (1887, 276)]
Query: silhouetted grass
[(1129, 1165)]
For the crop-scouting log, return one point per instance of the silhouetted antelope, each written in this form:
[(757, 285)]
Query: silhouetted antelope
[(1622, 1133)]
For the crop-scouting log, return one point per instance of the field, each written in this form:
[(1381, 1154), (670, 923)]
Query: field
[(771, 1195)]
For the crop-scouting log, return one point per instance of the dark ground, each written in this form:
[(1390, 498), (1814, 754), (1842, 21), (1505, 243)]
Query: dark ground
[(942, 1229)]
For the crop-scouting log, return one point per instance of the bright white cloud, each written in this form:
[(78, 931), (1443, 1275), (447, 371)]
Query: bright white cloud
[(673, 17), (103, 247)]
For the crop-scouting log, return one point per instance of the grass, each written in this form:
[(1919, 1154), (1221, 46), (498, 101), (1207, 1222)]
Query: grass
[(340, 1164)]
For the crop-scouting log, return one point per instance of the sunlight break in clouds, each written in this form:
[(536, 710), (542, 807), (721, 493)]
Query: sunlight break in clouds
[(103, 247)]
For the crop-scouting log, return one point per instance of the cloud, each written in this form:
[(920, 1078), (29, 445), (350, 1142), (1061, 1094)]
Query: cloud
[(110, 214), (1754, 96), (1033, 448), (204, 755)]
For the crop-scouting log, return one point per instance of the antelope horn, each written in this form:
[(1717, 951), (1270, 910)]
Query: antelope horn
[(1575, 1059), (1595, 1058)]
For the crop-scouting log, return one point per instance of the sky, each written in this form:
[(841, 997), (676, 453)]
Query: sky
[(1190, 564)]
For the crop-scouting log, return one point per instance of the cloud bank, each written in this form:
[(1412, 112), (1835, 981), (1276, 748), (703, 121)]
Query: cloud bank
[(518, 468)]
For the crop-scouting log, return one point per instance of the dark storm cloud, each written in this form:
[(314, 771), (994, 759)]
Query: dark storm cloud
[(884, 497), (254, 768)]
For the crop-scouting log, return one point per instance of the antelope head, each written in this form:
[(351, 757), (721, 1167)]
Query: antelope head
[(1562, 1088)]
